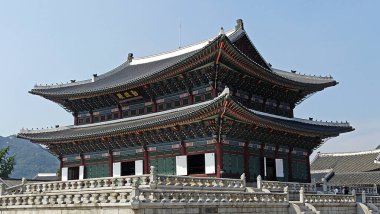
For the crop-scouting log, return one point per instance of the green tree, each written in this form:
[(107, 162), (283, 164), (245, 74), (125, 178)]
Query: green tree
[(6, 163)]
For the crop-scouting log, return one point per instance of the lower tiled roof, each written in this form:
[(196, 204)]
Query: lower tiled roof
[(180, 115), (355, 178), (347, 162)]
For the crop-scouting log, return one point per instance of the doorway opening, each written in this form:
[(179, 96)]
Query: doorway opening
[(127, 168), (196, 164), (271, 169), (73, 173)]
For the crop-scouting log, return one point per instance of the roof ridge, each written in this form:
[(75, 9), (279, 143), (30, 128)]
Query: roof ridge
[(301, 120), (340, 154), (310, 76), (178, 51)]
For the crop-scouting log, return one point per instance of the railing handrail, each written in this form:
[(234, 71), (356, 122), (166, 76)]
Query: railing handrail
[(89, 179), (286, 182), (200, 178)]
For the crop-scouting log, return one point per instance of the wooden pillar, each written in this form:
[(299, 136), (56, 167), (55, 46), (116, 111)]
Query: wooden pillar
[(264, 104), (146, 160), (81, 159), (214, 91), (183, 148), (290, 169), (277, 107), (154, 105), (291, 113), (91, 117), (262, 163), (276, 151), (110, 153), (191, 97), (219, 158), (76, 121), (60, 167), (120, 111), (308, 166), (246, 160)]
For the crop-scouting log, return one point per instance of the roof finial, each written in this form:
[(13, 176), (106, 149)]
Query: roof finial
[(221, 31), (130, 57), (239, 24), (94, 77)]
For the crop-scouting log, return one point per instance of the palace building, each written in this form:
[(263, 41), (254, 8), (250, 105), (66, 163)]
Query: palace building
[(215, 108)]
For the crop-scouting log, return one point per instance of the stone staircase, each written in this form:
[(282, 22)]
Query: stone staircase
[(301, 208), (373, 209)]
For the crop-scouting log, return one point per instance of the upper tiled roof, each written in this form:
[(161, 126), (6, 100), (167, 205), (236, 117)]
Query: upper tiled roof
[(120, 76), (347, 162), (141, 69), (179, 115)]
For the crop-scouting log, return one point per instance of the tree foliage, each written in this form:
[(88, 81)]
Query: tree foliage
[(6, 163)]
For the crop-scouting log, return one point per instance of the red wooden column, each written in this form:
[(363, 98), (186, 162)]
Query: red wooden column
[(219, 158), (154, 107), (120, 111), (60, 166), (308, 166), (110, 153), (191, 97), (75, 118), (146, 160), (290, 169), (183, 148), (262, 164), (91, 117), (214, 91), (246, 160), (81, 159)]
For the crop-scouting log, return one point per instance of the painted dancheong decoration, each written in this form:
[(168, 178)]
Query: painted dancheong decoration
[(213, 109)]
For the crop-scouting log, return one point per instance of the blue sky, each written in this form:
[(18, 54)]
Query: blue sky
[(53, 42)]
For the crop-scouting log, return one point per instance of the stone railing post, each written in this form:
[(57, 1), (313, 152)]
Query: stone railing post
[(153, 178), (363, 197), (23, 187), (354, 194), (314, 185), (135, 194), (324, 185), (374, 188), (2, 189), (243, 181), (259, 182), (286, 191), (302, 195)]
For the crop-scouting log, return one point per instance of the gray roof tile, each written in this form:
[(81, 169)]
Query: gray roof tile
[(347, 162)]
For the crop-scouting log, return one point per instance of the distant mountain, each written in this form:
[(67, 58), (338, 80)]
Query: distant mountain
[(30, 158)]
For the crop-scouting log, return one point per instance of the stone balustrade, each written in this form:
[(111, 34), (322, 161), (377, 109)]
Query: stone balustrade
[(326, 198), (167, 197), (151, 180), (4, 190), (329, 198), (372, 199), (186, 182), (74, 198), (278, 186), (87, 184), (371, 190)]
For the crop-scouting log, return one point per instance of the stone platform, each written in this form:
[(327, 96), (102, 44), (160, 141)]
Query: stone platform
[(156, 194)]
